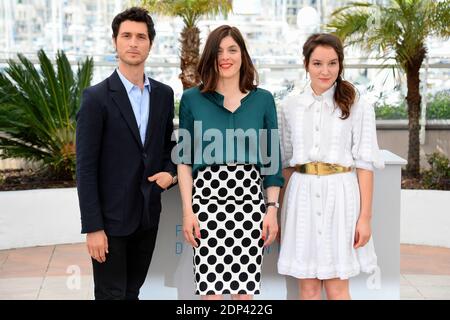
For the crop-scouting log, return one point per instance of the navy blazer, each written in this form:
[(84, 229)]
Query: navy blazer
[(113, 165)]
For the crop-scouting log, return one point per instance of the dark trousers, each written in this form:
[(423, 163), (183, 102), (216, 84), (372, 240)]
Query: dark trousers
[(123, 273)]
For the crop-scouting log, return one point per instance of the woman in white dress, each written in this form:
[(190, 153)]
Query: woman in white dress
[(329, 151)]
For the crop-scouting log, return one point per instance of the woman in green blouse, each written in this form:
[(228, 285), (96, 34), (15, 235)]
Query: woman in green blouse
[(229, 150)]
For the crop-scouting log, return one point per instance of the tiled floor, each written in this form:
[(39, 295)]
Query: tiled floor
[(65, 272), (425, 272), (45, 273)]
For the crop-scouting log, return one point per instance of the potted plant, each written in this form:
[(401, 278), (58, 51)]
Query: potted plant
[(37, 123)]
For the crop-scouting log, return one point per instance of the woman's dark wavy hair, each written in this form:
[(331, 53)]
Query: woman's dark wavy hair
[(345, 93), (208, 64)]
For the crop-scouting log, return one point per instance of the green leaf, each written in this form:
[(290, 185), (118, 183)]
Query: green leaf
[(38, 109)]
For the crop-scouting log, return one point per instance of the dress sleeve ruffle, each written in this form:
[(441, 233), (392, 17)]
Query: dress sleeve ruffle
[(285, 135), (365, 150)]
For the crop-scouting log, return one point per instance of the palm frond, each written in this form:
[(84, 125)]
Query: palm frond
[(66, 82), (52, 85), (440, 17), (400, 30), (350, 27), (37, 110), (351, 5), (31, 92), (18, 149), (189, 10), (83, 79)]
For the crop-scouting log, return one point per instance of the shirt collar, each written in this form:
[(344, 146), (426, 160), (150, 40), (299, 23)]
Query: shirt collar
[(217, 98), (129, 85), (327, 96)]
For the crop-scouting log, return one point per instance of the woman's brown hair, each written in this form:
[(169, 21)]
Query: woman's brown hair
[(345, 93), (208, 65)]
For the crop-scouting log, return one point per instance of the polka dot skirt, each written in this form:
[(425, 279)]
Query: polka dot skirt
[(229, 205)]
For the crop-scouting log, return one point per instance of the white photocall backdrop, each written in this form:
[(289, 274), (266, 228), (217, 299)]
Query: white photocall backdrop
[(171, 272)]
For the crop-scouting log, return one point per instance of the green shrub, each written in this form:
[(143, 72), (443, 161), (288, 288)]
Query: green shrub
[(438, 176), (439, 106), (177, 108), (390, 112), (38, 108)]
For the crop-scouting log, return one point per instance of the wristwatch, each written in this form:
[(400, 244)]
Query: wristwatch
[(174, 177), (273, 204)]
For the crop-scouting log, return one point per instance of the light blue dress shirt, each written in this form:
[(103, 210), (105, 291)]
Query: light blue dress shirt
[(140, 102)]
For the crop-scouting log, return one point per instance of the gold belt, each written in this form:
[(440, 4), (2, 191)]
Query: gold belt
[(321, 168)]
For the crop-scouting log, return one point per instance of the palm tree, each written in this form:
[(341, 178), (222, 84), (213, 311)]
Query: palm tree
[(38, 108), (398, 30), (190, 11)]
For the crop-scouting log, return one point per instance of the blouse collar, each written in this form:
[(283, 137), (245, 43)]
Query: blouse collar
[(218, 98), (327, 96)]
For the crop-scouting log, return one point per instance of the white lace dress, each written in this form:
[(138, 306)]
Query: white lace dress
[(319, 213)]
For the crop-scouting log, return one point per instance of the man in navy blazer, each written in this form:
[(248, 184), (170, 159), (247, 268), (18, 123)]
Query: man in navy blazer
[(123, 145)]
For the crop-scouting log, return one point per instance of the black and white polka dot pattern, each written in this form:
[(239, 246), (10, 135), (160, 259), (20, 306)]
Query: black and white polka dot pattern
[(228, 182), (229, 205)]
